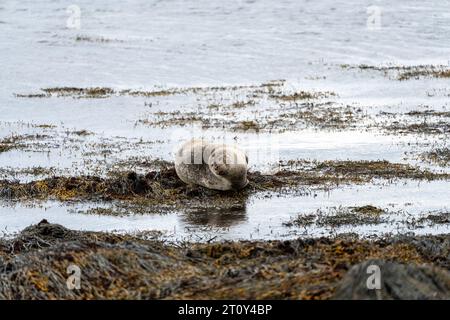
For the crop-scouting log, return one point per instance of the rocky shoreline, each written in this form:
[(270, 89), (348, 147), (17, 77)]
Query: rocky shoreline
[(38, 263)]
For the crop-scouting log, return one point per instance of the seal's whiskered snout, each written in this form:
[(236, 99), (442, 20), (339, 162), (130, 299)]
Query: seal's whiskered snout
[(223, 167), (238, 185)]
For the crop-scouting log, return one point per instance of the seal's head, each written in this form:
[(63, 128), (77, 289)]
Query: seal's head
[(229, 164)]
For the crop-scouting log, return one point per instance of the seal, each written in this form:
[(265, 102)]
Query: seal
[(214, 166)]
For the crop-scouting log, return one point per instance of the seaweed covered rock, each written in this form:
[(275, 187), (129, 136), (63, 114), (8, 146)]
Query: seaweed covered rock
[(396, 281), (41, 235), (39, 262)]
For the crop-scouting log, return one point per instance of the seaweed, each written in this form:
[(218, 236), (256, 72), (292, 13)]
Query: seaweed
[(406, 72), (128, 267), (18, 141), (341, 216), (440, 156), (162, 190), (303, 95)]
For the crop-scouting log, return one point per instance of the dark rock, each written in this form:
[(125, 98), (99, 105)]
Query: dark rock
[(397, 281)]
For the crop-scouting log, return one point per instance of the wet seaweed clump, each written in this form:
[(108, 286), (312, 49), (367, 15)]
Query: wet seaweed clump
[(5, 147), (428, 113), (373, 169), (302, 220), (45, 126), (340, 216), (303, 95), (177, 118), (402, 73), (156, 190), (418, 72), (439, 156), (337, 217), (243, 104), (248, 125), (9, 143), (425, 127), (322, 116), (293, 116), (84, 38), (31, 95), (142, 164), (368, 210), (121, 186), (28, 171), (18, 141), (105, 92), (80, 133), (126, 267), (348, 171), (94, 92), (162, 187), (436, 218)]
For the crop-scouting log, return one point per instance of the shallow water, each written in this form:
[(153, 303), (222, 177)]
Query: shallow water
[(165, 44), (261, 217)]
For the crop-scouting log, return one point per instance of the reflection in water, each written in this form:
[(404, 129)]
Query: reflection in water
[(256, 217), (216, 217)]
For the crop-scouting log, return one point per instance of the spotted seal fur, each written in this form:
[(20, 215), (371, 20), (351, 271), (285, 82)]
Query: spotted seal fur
[(214, 166)]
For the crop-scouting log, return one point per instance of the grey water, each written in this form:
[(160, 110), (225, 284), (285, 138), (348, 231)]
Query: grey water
[(185, 43)]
